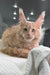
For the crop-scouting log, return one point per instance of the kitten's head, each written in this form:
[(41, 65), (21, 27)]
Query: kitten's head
[(30, 30)]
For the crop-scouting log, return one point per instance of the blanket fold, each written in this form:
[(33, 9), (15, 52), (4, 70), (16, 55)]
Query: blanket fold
[(35, 57)]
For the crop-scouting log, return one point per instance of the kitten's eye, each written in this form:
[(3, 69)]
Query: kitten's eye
[(25, 29), (33, 30)]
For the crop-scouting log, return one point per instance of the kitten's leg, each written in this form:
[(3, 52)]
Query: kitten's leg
[(20, 52), (15, 52), (7, 50)]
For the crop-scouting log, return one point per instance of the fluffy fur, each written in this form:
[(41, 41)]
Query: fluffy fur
[(20, 39)]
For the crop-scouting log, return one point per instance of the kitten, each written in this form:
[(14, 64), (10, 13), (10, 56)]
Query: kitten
[(20, 39)]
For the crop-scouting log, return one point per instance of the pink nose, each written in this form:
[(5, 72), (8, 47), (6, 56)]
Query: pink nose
[(28, 34)]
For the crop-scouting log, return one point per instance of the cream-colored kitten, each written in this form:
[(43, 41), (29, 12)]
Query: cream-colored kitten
[(20, 39)]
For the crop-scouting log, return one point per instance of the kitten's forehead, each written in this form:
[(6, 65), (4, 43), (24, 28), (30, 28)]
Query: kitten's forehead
[(30, 24)]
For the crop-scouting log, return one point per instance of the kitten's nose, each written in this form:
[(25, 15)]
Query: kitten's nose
[(28, 34)]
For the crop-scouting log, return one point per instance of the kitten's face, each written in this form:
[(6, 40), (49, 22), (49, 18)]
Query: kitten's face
[(30, 31)]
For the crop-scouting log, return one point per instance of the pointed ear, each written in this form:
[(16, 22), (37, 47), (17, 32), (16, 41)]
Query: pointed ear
[(40, 20), (22, 18)]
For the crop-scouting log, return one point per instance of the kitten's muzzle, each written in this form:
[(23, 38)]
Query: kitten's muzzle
[(28, 35)]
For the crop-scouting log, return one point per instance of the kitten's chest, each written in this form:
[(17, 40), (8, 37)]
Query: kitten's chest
[(25, 45), (28, 45), (21, 44)]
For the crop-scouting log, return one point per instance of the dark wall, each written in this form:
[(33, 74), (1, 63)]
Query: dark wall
[(47, 38)]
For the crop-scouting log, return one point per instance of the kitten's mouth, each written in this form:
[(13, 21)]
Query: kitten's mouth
[(28, 40), (28, 37)]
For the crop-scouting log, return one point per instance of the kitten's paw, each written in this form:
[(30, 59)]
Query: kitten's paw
[(15, 50)]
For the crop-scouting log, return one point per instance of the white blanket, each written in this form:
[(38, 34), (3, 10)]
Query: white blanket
[(11, 65), (36, 57), (19, 66)]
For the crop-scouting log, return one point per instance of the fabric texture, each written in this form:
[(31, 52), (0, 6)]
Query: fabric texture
[(11, 65), (36, 57)]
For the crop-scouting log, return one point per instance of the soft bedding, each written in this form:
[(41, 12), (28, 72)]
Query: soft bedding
[(35, 64), (11, 65)]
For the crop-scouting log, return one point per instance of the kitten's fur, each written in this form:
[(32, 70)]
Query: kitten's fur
[(20, 39)]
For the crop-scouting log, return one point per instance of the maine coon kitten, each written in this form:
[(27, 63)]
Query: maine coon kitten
[(20, 39)]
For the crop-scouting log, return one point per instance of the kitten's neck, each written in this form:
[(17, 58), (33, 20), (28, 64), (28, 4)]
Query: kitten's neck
[(31, 45)]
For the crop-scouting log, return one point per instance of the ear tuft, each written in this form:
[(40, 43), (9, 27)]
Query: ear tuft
[(43, 14), (20, 11), (40, 20), (21, 16)]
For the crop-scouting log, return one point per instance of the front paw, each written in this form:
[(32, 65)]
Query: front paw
[(23, 53), (15, 51)]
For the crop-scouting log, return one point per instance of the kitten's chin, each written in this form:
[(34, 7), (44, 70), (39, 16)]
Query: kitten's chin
[(28, 40)]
